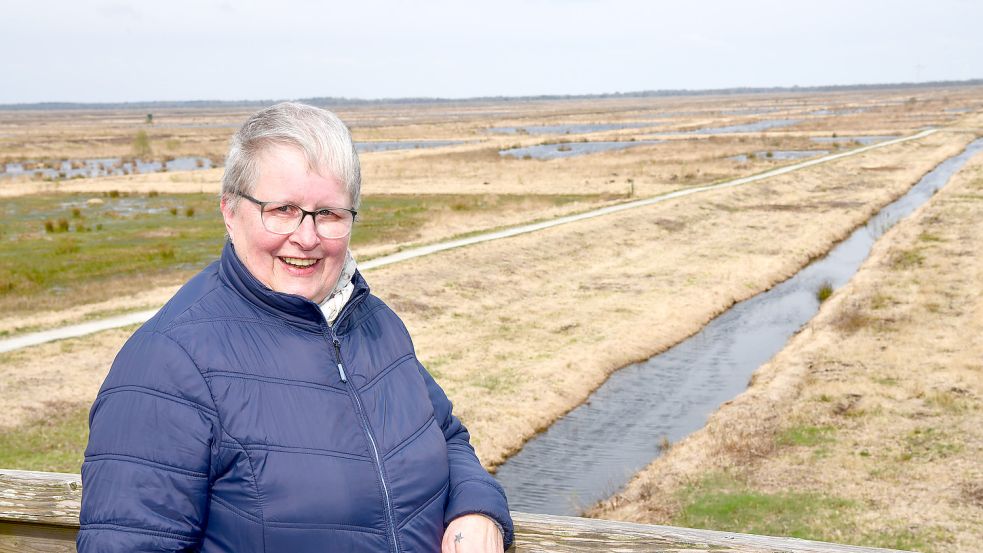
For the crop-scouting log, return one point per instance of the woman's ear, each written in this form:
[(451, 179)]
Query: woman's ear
[(227, 216)]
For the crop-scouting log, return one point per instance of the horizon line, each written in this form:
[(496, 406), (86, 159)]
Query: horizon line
[(329, 100)]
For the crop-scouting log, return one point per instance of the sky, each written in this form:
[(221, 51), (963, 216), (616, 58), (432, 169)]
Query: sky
[(116, 51)]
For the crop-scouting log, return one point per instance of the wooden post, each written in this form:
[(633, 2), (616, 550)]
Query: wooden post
[(39, 513)]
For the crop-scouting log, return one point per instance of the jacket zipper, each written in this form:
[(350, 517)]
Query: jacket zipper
[(363, 419)]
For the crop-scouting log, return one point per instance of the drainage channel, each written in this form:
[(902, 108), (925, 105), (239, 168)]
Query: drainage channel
[(595, 449)]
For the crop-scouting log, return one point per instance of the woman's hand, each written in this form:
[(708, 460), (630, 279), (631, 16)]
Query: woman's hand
[(472, 534)]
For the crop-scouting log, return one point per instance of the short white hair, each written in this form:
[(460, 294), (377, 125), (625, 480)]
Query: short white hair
[(318, 133)]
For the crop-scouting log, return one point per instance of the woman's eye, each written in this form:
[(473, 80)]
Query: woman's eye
[(327, 215), (282, 210)]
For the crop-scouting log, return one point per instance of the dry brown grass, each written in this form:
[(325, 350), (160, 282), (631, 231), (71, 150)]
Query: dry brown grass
[(891, 366), (73, 134), (149, 298), (476, 167), (538, 321), (68, 372), (519, 331)]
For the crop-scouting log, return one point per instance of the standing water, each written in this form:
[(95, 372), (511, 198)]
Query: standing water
[(595, 449)]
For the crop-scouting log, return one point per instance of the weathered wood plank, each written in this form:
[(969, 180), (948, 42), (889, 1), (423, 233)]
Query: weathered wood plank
[(39, 514), (547, 533), (29, 537), (50, 498)]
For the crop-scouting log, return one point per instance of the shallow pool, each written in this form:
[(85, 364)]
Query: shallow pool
[(100, 167)]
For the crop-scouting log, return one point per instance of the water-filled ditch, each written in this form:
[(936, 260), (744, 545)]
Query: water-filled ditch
[(390, 145), (864, 140), (750, 111), (570, 149), (756, 126), (844, 111), (570, 128), (595, 449), (779, 155)]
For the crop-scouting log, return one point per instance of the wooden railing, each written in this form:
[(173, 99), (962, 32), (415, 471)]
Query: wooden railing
[(39, 513)]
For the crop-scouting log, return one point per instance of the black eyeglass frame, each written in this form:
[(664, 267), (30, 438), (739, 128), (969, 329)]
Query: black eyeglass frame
[(262, 209)]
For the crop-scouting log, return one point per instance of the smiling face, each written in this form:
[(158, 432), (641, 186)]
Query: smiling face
[(301, 262)]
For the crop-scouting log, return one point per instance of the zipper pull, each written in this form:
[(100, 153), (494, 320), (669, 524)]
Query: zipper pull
[(341, 368)]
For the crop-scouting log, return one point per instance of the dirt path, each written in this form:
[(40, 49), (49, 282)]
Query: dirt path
[(875, 404)]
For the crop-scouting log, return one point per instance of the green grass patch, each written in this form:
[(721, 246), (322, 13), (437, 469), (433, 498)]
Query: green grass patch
[(851, 320), (806, 435), (118, 242), (55, 444), (907, 259), (722, 502), (501, 382), (954, 400), (880, 300), (396, 219), (928, 444), (824, 292), (886, 381), (141, 144), (112, 249), (898, 537)]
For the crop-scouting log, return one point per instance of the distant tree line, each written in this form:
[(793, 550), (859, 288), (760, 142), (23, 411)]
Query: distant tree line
[(328, 101)]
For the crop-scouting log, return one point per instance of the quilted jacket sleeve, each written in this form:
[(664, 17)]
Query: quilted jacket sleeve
[(153, 435), (472, 489)]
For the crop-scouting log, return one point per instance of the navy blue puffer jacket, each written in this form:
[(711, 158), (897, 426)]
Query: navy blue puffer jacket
[(238, 420)]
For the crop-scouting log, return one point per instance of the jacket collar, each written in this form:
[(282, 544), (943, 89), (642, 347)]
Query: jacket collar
[(290, 307)]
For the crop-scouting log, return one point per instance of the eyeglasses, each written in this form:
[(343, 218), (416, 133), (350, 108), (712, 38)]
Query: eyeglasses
[(284, 218)]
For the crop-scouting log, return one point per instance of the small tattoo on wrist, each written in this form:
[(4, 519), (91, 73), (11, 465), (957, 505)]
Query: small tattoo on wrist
[(458, 538)]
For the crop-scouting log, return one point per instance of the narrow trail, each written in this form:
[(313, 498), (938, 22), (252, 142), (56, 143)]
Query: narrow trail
[(91, 327)]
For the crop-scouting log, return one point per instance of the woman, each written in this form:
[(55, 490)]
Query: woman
[(274, 404)]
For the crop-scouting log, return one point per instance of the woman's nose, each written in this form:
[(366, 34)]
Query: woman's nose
[(306, 234)]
